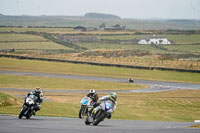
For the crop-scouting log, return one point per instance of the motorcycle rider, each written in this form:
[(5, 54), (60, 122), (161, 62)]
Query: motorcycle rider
[(39, 98), (111, 98), (93, 95)]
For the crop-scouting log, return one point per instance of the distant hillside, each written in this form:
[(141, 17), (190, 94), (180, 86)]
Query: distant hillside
[(182, 20), (72, 21), (101, 16)]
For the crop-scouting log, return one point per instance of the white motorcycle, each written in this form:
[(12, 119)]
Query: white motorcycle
[(103, 111), (86, 104), (28, 107)]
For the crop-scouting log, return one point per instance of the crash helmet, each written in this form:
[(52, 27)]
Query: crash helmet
[(92, 91), (113, 96), (38, 90)]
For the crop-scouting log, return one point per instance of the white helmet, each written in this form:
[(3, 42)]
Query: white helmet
[(92, 91)]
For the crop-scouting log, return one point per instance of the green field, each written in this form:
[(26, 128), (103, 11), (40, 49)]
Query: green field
[(122, 37), (194, 49), (32, 45), (115, 46), (21, 38), (178, 39), (79, 69), (28, 42), (165, 49), (184, 39), (25, 29), (165, 106)]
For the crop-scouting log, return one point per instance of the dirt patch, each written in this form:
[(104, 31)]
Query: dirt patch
[(196, 126)]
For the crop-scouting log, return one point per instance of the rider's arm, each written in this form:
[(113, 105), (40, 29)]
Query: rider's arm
[(96, 97), (104, 98), (115, 106), (29, 94), (41, 98)]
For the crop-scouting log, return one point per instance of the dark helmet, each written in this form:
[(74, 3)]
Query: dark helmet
[(38, 90), (113, 96)]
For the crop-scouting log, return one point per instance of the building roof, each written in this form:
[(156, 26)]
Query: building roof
[(80, 27), (153, 37)]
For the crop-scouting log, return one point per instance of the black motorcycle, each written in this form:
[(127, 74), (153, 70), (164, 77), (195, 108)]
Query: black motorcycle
[(28, 107)]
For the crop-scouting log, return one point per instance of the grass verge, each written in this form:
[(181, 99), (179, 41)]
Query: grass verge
[(14, 81), (163, 106), (82, 69), (6, 100)]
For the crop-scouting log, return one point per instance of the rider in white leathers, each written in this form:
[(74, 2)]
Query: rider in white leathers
[(108, 99)]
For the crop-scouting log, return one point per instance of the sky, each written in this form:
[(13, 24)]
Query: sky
[(141, 9)]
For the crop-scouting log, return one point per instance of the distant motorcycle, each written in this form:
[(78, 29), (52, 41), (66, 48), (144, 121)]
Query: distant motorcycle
[(86, 104), (131, 80), (104, 111), (28, 107)]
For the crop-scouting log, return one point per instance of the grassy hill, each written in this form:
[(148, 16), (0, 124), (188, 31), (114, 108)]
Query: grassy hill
[(101, 16), (72, 21)]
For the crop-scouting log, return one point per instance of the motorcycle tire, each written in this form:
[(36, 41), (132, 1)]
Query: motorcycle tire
[(21, 113), (28, 117), (87, 121), (99, 119), (82, 112)]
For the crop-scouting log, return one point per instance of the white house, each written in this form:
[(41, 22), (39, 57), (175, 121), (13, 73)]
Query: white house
[(154, 40)]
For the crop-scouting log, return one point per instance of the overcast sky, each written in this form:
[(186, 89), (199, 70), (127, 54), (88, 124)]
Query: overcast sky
[(176, 9)]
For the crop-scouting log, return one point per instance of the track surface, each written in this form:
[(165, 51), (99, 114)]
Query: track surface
[(11, 124), (155, 86)]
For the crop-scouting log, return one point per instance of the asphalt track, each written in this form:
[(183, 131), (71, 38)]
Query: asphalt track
[(155, 86), (11, 124)]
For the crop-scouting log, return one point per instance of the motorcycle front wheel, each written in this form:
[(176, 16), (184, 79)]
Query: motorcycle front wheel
[(21, 113), (28, 117), (87, 121), (98, 118), (83, 112)]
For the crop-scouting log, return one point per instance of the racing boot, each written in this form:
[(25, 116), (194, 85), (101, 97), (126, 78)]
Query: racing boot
[(34, 112), (90, 111), (109, 116)]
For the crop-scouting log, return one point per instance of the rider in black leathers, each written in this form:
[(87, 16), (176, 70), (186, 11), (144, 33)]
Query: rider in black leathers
[(39, 98), (93, 95)]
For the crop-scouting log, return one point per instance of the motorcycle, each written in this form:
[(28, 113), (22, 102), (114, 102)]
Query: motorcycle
[(104, 111), (86, 104), (28, 107)]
